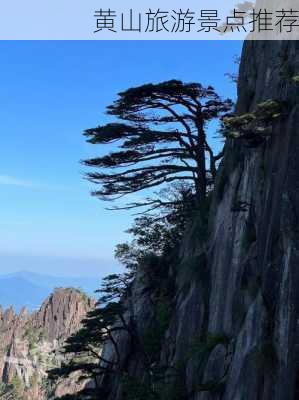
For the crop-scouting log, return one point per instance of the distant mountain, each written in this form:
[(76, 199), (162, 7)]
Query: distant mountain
[(30, 289), (30, 344), (19, 292), (89, 285), (57, 266)]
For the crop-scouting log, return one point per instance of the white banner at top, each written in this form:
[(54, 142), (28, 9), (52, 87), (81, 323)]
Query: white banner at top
[(149, 20)]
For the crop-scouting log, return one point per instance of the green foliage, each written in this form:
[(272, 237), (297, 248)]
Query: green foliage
[(13, 390), (149, 251), (82, 350), (153, 251), (157, 235), (151, 238), (113, 288), (34, 336), (17, 385), (46, 385), (34, 379), (255, 126), (150, 139), (295, 79), (268, 110), (162, 140)]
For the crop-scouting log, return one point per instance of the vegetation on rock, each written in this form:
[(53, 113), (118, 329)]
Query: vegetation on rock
[(254, 127)]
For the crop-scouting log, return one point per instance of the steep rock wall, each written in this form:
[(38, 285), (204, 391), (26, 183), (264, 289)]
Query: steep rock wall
[(30, 344), (233, 332)]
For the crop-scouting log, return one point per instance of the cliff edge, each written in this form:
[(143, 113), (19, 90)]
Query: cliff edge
[(228, 327)]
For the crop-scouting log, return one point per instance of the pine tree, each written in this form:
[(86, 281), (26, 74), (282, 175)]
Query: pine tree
[(163, 139)]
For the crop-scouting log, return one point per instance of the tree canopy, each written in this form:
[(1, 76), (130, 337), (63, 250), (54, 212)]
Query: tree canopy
[(83, 349), (160, 137), (114, 311)]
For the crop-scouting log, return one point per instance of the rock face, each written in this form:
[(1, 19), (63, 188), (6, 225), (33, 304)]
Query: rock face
[(233, 330), (29, 344)]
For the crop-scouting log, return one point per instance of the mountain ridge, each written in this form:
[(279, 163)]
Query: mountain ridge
[(30, 344)]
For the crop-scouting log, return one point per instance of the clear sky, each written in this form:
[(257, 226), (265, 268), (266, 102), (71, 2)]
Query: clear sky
[(51, 92)]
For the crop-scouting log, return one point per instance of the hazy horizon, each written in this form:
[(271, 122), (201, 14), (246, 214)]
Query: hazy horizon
[(57, 266)]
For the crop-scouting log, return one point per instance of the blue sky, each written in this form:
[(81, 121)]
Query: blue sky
[(50, 93)]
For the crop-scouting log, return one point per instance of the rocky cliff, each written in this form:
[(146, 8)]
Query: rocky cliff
[(30, 344), (222, 323)]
